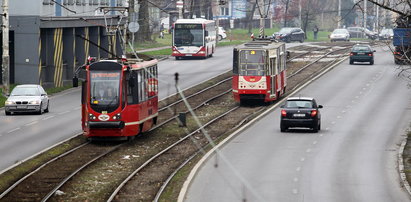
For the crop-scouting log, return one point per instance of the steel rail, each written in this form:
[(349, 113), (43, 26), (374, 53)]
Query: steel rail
[(39, 168), (117, 190), (51, 193), (197, 93)]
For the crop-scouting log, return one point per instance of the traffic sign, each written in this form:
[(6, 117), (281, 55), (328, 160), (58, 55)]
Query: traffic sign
[(133, 27), (179, 4)]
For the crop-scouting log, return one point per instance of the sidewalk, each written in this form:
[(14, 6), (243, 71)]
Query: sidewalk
[(153, 49)]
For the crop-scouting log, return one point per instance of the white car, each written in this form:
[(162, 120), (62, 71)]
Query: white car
[(386, 34), (340, 35), (221, 33), (27, 98)]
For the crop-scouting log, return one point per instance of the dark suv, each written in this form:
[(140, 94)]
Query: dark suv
[(288, 34), (300, 112)]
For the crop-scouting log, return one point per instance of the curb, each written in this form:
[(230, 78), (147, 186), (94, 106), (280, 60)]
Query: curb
[(187, 183), (401, 166)]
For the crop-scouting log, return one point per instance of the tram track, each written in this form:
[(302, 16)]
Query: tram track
[(168, 114)]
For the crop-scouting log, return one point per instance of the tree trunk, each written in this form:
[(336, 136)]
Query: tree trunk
[(144, 32)]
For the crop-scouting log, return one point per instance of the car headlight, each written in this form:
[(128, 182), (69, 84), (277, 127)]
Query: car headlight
[(9, 102), (34, 102)]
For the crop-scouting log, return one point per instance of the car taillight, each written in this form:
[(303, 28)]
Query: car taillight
[(313, 113), (351, 54), (369, 54), (283, 113)]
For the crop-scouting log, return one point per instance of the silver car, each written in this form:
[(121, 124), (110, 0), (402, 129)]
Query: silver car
[(27, 98), (340, 35)]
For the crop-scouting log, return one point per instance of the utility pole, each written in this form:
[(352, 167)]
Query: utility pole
[(339, 14), (365, 14), (5, 56), (262, 17)]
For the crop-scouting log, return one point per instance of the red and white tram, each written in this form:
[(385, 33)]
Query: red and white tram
[(259, 69), (119, 97), (194, 38)]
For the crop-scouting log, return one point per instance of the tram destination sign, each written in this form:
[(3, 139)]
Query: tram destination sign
[(189, 26)]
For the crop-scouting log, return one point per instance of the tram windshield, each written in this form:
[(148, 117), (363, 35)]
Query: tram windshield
[(188, 35), (105, 88), (252, 62)]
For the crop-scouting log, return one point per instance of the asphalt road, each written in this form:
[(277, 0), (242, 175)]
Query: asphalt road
[(353, 158)]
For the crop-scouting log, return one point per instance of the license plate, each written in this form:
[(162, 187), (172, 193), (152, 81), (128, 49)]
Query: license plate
[(21, 107), (189, 55), (299, 115), (361, 53)]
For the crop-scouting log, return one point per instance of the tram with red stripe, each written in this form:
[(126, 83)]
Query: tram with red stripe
[(259, 71), (119, 97)]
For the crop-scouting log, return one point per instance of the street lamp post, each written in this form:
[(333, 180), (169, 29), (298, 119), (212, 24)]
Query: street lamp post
[(5, 56)]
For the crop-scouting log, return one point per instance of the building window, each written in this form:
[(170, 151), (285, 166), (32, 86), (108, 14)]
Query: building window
[(48, 2)]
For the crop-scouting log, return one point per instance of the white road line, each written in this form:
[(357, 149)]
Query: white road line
[(338, 117), (308, 150), (77, 108), (32, 123), (343, 111), (295, 191), (49, 117), (13, 130), (315, 142), (333, 122), (65, 112), (295, 179), (302, 159), (298, 169)]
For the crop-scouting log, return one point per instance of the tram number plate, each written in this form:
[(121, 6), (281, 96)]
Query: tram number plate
[(299, 115), (21, 107)]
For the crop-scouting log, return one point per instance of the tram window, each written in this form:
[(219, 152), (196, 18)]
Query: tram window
[(235, 62), (132, 91), (272, 65), (252, 63)]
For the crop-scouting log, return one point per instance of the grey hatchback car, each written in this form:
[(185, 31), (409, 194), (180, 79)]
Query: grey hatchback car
[(27, 98)]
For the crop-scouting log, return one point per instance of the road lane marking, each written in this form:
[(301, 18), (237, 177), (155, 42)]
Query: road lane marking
[(32, 123), (13, 130), (298, 169), (65, 112), (302, 159), (295, 191), (308, 150), (49, 117), (295, 179), (315, 142)]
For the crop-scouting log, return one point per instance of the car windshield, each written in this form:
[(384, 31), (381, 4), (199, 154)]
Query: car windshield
[(252, 62), (386, 31), (361, 48), (25, 91), (299, 104), (339, 31), (285, 30)]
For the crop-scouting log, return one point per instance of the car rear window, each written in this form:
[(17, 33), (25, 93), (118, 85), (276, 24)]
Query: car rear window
[(299, 104), (361, 48)]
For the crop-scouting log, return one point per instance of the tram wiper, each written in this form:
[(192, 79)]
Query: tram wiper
[(111, 102)]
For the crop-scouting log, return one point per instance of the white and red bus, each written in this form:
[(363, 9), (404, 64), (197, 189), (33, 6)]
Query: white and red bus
[(259, 71), (119, 97), (193, 38)]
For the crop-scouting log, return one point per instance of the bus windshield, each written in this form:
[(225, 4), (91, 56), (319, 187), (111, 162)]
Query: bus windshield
[(105, 88), (188, 35), (252, 63)]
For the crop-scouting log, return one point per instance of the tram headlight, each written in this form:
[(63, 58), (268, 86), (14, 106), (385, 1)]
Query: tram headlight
[(92, 117), (117, 116)]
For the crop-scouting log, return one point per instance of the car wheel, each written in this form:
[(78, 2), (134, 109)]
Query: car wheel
[(40, 111), (47, 109), (316, 128), (7, 113), (220, 37), (371, 62), (302, 40), (283, 128), (351, 62)]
